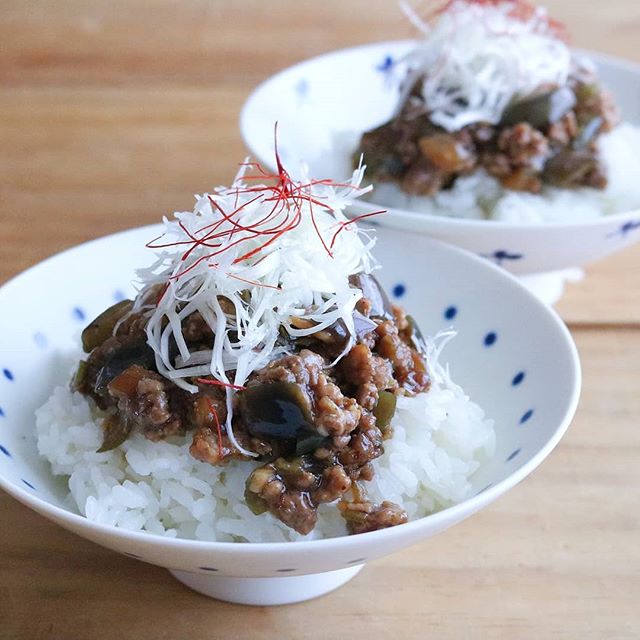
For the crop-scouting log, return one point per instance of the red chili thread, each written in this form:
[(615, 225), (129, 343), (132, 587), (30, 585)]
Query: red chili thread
[(165, 286), (252, 227), (288, 199), (219, 383), (344, 225), (522, 10), (217, 421), (255, 282)]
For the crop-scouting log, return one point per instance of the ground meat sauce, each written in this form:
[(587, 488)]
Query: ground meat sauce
[(548, 137), (316, 424)]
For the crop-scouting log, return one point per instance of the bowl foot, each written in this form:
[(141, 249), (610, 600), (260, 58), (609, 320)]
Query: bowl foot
[(266, 591), (549, 285)]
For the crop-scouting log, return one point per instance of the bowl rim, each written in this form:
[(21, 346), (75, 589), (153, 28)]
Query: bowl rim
[(421, 217), (454, 513)]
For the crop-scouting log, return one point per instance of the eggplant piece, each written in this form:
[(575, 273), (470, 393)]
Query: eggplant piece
[(331, 342), (385, 165), (385, 410), (390, 165), (337, 334), (101, 329), (362, 325), (114, 433), (416, 333), (570, 168), (373, 291), (540, 110), (139, 353), (334, 338), (377, 147), (309, 441), (414, 336), (126, 383), (278, 410)]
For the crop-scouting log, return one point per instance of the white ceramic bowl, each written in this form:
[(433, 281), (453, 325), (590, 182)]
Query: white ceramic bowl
[(357, 89), (512, 355)]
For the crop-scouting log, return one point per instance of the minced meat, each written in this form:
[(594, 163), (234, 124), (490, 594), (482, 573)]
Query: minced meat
[(329, 435), (535, 143)]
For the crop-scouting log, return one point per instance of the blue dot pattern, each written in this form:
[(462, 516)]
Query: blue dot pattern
[(625, 229), (490, 338), (526, 416), (386, 64), (483, 490), (40, 339), (399, 290), (513, 455), (302, 87)]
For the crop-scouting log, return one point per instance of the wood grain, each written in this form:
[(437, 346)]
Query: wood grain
[(114, 112), (209, 42), (85, 162)]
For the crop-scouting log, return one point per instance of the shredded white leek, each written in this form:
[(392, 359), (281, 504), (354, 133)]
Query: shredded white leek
[(478, 58), (297, 275)]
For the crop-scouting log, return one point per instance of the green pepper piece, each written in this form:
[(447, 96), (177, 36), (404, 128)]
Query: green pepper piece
[(115, 432), (102, 327), (257, 504), (586, 91), (540, 110), (385, 409), (80, 379)]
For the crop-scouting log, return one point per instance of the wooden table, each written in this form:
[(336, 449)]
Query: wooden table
[(114, 112)]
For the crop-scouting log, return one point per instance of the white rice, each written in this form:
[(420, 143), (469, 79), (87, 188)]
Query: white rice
[(479, 196), (439, 440)]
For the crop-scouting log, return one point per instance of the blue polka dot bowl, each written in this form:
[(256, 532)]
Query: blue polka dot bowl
[(323, 105), (512, 355)]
